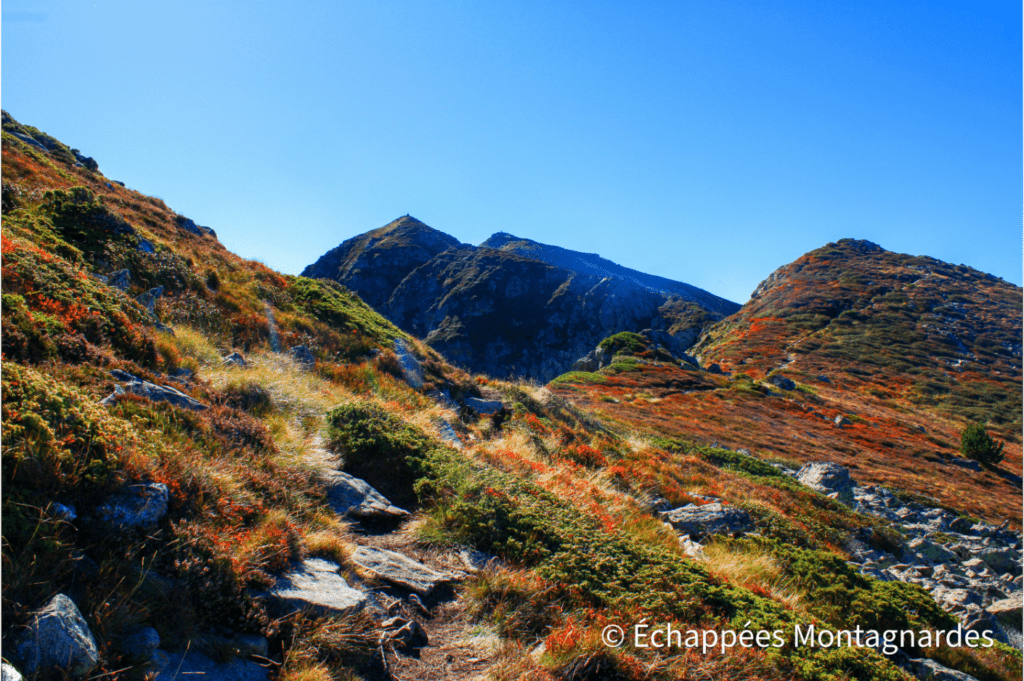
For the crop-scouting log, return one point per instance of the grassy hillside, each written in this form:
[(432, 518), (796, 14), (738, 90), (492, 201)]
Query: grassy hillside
[(558, 493)]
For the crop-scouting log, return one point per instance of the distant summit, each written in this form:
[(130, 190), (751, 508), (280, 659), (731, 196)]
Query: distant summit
[(591, 263), (376, 262), (511, 307)]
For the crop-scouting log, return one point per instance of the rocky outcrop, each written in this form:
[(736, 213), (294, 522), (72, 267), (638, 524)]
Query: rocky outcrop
[(316, 584), (829, 479), (398, 569), (702, 521), (136, 506), (497, 310), (58, 638), (151, 391), (351, 496)]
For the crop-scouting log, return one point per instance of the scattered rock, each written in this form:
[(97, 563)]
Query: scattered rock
[(152, 391), (136, 506), (412, 372), (828, 478), (235, 359), (701, 521), (316, 583), (405, 633), (1008, 611), (1001, 560), (191, 227), (193, 664), (149, 298), (930, 670), (922, 548), (448, 434), (484, 407), (351, 496), (58, 637), (141, 644), (303, 355), (121, 279), (398, 569), (476, 560), (782, 382)]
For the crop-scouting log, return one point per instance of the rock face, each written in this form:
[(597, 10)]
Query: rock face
[(136, 506), (701, 521), (315, 583), (354, 497), (398, 569), (504, 308), (58, 637), (828, 478)]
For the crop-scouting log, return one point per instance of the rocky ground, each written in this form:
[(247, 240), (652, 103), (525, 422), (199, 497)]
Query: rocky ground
[(971, 568)]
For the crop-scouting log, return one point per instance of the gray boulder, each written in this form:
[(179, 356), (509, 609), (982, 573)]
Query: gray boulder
[(152, 391), (1002, 560), (701, 521), (354, 497), (58, 637), (923, 548), (120, 279), (780, 381), (192, 228), (146, 246), (9, 673), (303, 355), (1008, 611), (485, 407), (398, 569), (194, 664), (315, 583), (930, 670), (149, 298), (136, 506), (412, 371), (841, 421), (235, 359), (828, 478)]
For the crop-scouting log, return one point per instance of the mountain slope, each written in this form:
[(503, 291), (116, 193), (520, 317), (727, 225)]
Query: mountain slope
[(902, 351), (509, 307), (545, 522)]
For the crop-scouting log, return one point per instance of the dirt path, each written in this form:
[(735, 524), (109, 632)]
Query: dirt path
[(452, 652)]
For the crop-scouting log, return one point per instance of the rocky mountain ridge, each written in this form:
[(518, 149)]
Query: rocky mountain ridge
[(504, 308)]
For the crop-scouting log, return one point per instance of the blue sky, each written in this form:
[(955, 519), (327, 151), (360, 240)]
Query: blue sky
[(709, 142)]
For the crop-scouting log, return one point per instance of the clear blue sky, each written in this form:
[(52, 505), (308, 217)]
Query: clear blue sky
[(709, 142)]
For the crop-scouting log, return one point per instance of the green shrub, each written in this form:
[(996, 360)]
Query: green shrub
[(625, 343), (976, 444)]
